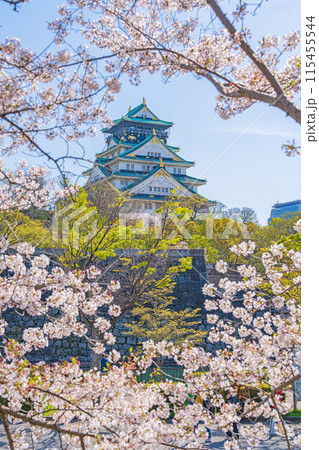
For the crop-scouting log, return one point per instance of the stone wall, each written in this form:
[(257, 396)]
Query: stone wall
[(187, 293), (214, 277)]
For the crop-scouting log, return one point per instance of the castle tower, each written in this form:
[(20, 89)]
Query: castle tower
[(139, 161)]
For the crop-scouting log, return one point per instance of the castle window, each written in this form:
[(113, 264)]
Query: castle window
[(174, 170), (127, 167), (179, 171), (132, 166), (150, 188)]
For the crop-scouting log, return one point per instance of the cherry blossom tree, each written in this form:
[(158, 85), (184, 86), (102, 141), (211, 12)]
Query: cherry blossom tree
[(55, 95), (62, 92), (183, 36), (257, 348), (255, 322)]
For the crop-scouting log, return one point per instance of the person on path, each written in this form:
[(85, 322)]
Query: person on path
[(272, 423), (234, 399), (206, 405)]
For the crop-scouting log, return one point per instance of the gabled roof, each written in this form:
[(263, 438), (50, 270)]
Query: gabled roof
[(131, 116), (153, 172), (139, 173), (176, 158), (137, 109), (140, 120), (113, 138), (101, 161), (114, 148), (143, 178), (181, 178), (99, 165)]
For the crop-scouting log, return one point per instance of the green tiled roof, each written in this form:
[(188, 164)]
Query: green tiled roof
[(188, 178), (139, 120), (149, 197), (140, 173), (123, 144), (156, 169), (128, 173), (137, 109), (146, 159), (175, 149), (152, 172), (135, 177), (105, 171), (145, 141), (129, 118), (101, 161)]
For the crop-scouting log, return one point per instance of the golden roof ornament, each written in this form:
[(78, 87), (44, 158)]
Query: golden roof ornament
[(154, 132), (129, 108), (144, 103), (161, 163)]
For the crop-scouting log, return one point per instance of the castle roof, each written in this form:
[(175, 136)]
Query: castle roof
[(139, 161), (157, 170), (141, 114), (148, 139)]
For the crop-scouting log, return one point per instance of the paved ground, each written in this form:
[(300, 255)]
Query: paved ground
[(275, 443), (51, 441)]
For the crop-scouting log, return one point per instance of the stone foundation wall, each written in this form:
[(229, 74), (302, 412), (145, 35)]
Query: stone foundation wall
[(187, 293)]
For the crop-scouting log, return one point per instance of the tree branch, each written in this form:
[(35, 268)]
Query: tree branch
[(281, 102), (7, 429)]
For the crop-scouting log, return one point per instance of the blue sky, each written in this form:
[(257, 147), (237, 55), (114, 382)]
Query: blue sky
[(252, 171)]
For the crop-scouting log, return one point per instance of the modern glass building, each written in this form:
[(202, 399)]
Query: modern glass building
[(279, 209)]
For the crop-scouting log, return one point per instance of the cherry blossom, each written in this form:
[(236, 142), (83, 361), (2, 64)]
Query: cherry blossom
[(157, 36), (255, 322)]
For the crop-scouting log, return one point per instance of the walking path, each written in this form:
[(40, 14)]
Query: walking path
[(275, 443), (50, 440)]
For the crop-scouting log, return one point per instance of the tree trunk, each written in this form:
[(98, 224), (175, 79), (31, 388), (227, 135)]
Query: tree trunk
[(95, 359)]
